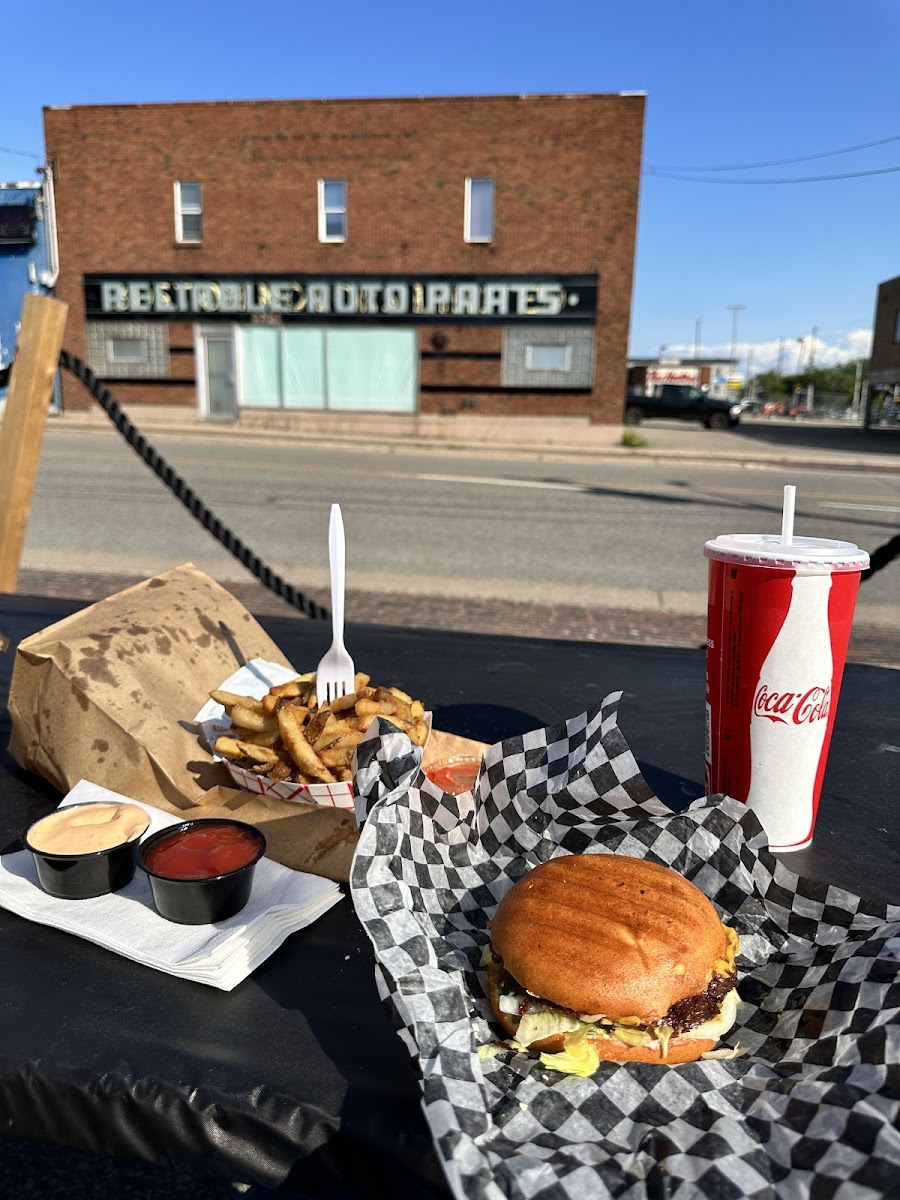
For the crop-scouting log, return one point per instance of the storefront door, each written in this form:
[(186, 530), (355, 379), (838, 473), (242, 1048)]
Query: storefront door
[(219, 375)]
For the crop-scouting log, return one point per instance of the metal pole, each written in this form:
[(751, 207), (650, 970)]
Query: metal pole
[(735, 309), (857, 387), (812, 347)]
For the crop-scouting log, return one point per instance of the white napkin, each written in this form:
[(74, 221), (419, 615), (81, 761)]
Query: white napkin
[(127, 923)]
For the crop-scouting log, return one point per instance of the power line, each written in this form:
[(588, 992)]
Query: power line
[(784, 162), (23, 153), (660, 174)]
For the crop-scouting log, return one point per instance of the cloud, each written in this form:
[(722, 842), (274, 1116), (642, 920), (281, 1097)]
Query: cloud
[(788, 354)]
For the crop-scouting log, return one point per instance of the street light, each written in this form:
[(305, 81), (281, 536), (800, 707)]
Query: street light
[(736, 309)]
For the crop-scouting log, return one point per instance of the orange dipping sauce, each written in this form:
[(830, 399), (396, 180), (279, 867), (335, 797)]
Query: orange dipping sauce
[(455, 775), (202, 852)]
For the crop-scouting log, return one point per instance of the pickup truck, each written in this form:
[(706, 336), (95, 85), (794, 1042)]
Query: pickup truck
[(681, 402)]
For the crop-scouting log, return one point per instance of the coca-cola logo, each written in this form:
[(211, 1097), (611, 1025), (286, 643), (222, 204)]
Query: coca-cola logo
[(798, 708)]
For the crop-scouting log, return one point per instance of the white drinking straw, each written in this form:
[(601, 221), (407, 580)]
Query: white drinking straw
[(787, 514)]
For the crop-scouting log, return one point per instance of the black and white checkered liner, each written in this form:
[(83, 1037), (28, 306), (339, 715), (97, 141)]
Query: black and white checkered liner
[(811, 1110)]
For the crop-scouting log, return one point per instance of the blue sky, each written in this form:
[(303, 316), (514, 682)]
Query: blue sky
[(727, 84)]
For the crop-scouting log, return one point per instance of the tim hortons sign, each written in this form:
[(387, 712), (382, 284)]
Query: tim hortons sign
[(504, 299)]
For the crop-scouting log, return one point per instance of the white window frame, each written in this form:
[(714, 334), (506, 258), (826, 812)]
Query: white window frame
[(467, 216), (190, 210), (324, 236), (113, 358), (530, 346)]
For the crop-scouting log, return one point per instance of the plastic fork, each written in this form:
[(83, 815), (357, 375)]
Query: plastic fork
[(335, 674)]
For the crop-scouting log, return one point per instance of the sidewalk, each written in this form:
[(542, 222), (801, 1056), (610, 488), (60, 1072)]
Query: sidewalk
[(875, 645), (757, 443)]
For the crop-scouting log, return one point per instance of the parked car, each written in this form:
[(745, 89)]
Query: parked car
[(684, 403)]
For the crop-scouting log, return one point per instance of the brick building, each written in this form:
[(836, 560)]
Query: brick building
[(884, 365), (266, 261)]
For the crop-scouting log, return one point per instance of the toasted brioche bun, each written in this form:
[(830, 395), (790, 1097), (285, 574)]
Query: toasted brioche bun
[(680, 1049), (607, 934)]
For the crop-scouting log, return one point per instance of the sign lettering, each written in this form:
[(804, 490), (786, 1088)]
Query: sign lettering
[(489, 299)]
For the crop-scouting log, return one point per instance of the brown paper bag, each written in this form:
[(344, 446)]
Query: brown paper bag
[(108, 694), (442, 746)]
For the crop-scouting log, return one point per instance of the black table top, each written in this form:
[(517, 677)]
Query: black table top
[(298, 1069)]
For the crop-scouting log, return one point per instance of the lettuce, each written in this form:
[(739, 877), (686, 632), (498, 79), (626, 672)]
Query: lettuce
[(534, 1027), (580, 1056)]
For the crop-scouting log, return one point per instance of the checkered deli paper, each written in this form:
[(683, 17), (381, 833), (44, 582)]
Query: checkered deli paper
[(811, 1110)]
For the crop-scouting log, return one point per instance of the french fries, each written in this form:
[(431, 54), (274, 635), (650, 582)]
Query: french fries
[(287, 737)]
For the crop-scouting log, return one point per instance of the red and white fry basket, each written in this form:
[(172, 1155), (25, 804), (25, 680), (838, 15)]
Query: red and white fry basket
[(254, 679)]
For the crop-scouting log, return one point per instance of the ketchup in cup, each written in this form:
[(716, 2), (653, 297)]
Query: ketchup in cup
[(454, 775), (779, 617), (203, 851), (201, 871)]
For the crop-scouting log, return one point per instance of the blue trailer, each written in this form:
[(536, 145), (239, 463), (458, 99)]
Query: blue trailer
[(28, 257)]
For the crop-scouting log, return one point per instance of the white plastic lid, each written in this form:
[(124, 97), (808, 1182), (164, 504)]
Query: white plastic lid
[(768, 550)]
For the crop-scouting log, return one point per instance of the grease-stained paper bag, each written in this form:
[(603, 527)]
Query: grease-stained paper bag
[(107, 694)]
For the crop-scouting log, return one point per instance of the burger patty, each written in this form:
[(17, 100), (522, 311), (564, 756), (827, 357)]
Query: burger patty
[(695, 1010), (682, 1016)]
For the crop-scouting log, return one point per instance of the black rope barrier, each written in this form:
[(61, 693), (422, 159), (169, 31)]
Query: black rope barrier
[(185, 493)]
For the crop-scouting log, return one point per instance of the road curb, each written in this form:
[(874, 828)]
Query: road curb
[(613, 454)]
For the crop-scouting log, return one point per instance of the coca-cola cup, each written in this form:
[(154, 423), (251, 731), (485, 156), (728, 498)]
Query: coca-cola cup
[(779, 617)]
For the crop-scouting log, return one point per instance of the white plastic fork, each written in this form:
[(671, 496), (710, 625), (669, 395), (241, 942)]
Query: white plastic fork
[(335, 673)]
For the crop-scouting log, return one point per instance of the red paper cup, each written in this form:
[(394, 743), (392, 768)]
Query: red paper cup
[(778, 625)]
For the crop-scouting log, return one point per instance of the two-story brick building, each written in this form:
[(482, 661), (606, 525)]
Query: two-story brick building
[(884, 365), (281, 258)]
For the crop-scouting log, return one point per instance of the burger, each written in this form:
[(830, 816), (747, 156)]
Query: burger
[(602, 957)]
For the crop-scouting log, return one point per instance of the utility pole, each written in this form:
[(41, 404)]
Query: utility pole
[(698, 325), (800, 341), (812, 347), (735, 309), (749, 382), (857, 387), (780, 361)]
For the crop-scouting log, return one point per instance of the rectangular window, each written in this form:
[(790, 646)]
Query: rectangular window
[(127, 350), (548, 358), (343, 370), (479, 212), (897, 326), (17, 222), (188, 212), (332, 210)]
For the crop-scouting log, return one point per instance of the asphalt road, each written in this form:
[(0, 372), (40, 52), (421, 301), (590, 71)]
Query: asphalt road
[(623, 535)]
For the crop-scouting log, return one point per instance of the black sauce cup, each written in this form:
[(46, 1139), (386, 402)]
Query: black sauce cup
[(84, 876), (201, 901)]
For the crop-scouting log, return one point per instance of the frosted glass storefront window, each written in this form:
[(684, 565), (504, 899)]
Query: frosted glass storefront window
[(260, 367), (372, 370), (319, 367), (303, 368)]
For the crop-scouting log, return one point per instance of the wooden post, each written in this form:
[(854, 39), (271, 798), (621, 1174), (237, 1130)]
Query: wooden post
[(22, 430)]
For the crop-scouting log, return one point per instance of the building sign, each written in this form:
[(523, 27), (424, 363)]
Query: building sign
[(501, 299), (679, 375)]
